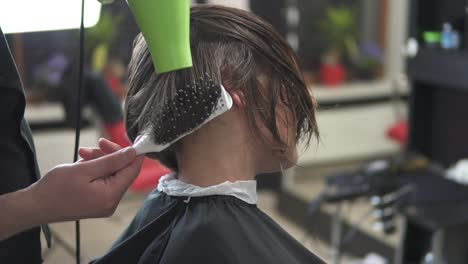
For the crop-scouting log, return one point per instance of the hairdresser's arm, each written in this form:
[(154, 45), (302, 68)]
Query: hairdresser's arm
[(87, 189)]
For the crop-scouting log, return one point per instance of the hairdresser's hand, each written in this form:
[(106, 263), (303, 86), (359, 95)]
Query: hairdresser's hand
[(90, 188), (105, 147)]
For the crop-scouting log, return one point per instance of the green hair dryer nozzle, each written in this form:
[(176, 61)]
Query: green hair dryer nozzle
[(165, 24)]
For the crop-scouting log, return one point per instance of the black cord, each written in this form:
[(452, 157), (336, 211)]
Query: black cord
[(78, 120)]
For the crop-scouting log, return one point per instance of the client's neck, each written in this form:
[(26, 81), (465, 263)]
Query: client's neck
[(207, 158)]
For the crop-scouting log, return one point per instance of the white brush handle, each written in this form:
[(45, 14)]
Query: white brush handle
[(144, 144)]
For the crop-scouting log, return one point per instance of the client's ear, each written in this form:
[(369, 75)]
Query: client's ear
[(238, 98), (237, 95)]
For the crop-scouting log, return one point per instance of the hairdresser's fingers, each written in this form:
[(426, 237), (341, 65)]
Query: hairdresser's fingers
[(111, 189), (105, 147), (124, 178), (90, 153), (109, 164), (108, 146)]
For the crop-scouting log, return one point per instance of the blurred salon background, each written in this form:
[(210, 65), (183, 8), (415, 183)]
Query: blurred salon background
[(386, 181)]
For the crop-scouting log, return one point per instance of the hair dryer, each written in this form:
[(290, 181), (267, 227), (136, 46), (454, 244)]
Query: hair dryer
[(165, 25)]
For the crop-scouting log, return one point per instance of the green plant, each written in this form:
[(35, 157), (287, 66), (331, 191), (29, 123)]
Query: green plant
[(104, 31), (100, 37), (341, 31)]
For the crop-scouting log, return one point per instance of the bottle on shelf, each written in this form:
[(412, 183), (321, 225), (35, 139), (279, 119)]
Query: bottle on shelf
[(450, 38)]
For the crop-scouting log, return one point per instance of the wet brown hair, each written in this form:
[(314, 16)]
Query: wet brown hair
[(244, 52)]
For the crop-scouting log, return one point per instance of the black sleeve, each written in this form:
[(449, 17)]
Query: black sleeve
[(12, 100), (17, 163)]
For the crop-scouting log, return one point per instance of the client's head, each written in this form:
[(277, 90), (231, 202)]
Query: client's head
[(273, 109)]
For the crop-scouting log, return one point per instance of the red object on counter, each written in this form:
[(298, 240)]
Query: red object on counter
[(332, 74), (399, 132)]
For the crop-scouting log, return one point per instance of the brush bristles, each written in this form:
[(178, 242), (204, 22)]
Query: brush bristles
[(186, 110)]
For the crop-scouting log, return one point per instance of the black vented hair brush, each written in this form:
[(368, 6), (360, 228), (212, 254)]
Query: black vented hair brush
[(192, 106)]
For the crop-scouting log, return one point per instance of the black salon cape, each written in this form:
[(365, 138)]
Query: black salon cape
[(207, 230)]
